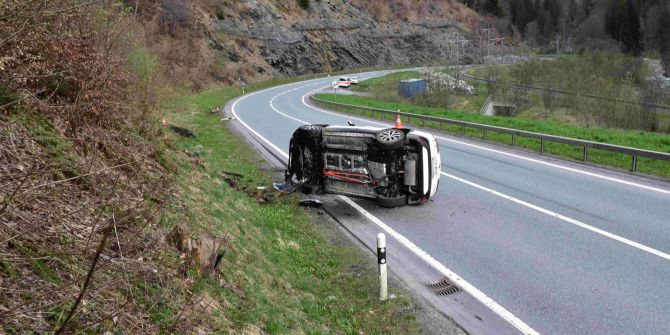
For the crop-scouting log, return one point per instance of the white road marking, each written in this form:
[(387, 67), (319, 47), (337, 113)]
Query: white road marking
[(563, 218), (537, 161), (462, 283), (455, 278)]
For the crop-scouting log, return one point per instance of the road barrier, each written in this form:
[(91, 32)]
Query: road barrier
[(635, 153), (381, 260)]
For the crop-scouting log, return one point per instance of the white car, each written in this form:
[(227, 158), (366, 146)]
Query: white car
[(395, 166), (354, 80), (343, 82)]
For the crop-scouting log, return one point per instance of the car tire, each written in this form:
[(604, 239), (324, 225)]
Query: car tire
[(390, 138), (398, 201)]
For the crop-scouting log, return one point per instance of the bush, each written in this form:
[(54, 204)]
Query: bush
[(174, 14), (304, 4)]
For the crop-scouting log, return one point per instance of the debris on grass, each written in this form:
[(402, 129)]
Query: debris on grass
[(315, 203), (181, 131)]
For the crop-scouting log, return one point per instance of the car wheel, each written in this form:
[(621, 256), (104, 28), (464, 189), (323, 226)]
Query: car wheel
[(398, 201), (390, 138)]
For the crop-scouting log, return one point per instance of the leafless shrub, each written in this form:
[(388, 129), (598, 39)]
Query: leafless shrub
[(174, 14), (80, 191)]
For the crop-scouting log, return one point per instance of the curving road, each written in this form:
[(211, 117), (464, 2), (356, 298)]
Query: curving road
[(539, 245)]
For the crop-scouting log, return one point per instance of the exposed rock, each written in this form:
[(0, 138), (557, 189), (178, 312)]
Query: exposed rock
[(440, 81), (340, 36)]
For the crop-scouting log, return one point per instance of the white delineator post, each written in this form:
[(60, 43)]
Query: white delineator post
[(381, 260)]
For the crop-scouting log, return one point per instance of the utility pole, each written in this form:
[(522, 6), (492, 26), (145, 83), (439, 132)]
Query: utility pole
[(458, 44), (488, 41)]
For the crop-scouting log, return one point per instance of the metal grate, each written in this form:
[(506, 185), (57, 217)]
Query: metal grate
[(443, 287)]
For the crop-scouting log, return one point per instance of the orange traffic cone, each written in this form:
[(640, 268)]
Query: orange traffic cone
[(398, 123)]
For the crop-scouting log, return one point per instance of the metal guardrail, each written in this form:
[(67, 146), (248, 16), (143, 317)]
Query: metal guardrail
[(633, 152)]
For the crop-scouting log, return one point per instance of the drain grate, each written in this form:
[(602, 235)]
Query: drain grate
[(443, 287)]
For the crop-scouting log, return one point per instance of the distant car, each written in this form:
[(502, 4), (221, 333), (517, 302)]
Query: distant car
[(395, 166), (354, 80), (343, 82)]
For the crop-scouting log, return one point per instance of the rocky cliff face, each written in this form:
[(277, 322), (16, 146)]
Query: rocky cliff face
[(333, 35), (251, 40)]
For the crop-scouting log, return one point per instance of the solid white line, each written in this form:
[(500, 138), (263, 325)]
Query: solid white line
[(537, 161), (563, 218), (456, 279), (462, 283)]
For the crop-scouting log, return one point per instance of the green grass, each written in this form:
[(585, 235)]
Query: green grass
[(637, 139), (606, 76), (386, 82), (59, 148), (385, 88), (279, 272)]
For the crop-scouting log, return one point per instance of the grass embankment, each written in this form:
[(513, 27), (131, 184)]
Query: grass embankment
[(610, 77), (637, 139), (385, 88), (280, 274)]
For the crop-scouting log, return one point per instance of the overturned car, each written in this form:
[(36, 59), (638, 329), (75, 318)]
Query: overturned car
[(395, 166)]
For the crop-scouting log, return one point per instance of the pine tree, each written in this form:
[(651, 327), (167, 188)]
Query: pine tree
[(588, 6), (663, 38), (622, 23), (632, 34), (492, 7)]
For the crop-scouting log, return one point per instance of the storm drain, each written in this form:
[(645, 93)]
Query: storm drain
[(443, 287)]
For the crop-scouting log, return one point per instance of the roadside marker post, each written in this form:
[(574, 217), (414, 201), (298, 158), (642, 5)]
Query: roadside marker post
[(381, 260)]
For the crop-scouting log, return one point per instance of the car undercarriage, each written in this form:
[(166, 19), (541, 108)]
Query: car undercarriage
[(380, 164)]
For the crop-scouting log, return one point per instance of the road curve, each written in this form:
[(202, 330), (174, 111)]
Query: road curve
[(565, 248)]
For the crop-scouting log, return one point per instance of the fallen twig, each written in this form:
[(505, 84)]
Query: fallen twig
[(89, 276)]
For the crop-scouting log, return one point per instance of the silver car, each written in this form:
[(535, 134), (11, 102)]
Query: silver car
[(395, 166)]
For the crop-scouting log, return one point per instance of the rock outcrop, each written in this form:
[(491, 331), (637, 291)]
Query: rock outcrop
[(331, 36)]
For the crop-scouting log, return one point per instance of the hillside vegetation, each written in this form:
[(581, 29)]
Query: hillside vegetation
[(603, 90), (634, 27), (111, 222), (207, 42)]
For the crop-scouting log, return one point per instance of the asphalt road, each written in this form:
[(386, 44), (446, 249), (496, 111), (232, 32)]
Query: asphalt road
[(565, 248)]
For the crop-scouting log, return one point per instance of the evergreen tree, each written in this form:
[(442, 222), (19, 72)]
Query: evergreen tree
[(492, 7), (622, 23), (521, 13), (588, 6), (632, 37), (663, 38)]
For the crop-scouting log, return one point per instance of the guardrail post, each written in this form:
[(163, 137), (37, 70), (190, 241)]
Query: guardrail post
[(462, 130), (541, 145), (513, 140), (633, 167), (586, 153), (381, 260), (441, 126), (485, 135)]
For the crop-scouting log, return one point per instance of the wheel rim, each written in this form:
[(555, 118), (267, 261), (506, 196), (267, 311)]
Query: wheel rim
[(390, 135)]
